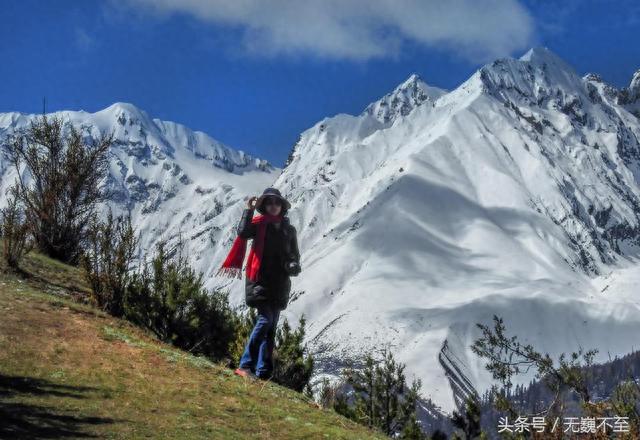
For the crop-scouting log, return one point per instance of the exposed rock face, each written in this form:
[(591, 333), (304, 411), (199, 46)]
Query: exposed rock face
[(407, 96)]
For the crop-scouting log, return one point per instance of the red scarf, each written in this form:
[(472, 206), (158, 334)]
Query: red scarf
[(232, 266)]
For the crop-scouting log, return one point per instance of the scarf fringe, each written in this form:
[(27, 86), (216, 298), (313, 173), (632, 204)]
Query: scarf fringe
[(232, 265), (230, 272)]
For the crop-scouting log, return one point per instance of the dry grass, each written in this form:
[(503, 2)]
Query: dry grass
[(68, 370)]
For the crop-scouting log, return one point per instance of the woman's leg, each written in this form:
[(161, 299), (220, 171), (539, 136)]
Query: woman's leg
[(259, 334), (264, 367)]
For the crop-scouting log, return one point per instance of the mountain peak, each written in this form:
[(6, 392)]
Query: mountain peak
[(541, 53), (595, 77), (124, 110), (635, 82), (414, 78), (403, 99), (631, 94), (125, 114), (535, 74), (123, 105), (543, 56), (415, 81)]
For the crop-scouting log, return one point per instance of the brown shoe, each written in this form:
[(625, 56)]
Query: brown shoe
[(244, 372)]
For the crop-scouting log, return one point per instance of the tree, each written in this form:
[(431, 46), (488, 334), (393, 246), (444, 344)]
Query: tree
[(438, 435), (508, 357), (108, 260), (625, 402), (468, 421), (15, 233), (292, 366), (381, 398), (570, 376), (59, 171), (411, 429), (333, 395)]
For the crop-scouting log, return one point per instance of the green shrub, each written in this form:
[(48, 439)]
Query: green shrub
[(380, 397), (168, 298), (292, 368)]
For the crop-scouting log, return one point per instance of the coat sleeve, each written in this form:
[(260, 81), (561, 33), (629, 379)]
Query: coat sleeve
[(294, 245), (246, 229)]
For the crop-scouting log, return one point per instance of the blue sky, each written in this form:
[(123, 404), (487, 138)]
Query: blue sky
[(255, 74)]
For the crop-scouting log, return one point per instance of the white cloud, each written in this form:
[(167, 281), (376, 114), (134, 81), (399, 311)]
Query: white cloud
[(478, 30)]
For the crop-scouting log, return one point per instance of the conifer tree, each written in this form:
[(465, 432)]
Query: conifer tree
[(468, 420), (292, 365), (381, 398)]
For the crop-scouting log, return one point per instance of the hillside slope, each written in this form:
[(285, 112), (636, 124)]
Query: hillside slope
[(69, 371)]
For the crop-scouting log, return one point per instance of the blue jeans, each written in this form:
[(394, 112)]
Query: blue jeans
[(258, 354)]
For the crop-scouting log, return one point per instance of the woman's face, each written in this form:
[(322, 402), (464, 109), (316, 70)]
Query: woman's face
[(272, 206)]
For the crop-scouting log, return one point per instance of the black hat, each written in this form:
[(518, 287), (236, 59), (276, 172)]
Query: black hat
[(271, 192)]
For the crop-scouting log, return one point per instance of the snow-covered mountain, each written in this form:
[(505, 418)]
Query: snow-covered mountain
[(630, 97), (175, 182), (408, 95), (516, 194)]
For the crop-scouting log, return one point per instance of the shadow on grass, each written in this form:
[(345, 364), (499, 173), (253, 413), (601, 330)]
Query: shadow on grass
[(32, 275), (21, 420)]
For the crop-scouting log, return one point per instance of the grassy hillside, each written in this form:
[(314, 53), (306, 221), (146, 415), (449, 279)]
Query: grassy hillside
[(68, 370)]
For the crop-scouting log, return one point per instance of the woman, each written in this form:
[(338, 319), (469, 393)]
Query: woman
[(274, 256)]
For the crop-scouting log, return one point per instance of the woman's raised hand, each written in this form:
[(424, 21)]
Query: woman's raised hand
[(251, 203)]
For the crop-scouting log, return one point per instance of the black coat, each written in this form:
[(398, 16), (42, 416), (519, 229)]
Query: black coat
[(280, 260)]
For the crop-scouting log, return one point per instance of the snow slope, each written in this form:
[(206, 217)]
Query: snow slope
[(505, 196), (516, 194)]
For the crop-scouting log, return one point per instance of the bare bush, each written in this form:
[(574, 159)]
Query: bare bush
[(59, 171), (108, 260), (15, 233)]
